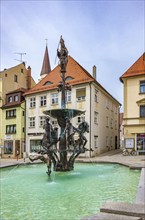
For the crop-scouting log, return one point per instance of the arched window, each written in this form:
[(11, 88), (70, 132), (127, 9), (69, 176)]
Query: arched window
[(47, 83), (69, 78)]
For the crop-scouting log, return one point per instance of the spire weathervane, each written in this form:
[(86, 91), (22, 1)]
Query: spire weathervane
[(46, 40)]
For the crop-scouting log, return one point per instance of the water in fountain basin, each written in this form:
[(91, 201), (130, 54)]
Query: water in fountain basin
[(27, 193)]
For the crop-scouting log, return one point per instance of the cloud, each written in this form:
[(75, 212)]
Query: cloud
[(108, 34)]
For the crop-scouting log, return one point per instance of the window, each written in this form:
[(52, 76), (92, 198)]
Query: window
[(47, 83), (15, 78), (54, 123), (107, 103), (81, 94), (11, 113), (16, 98), (8, 147), (115, 125), (68, 96), (142, 111), (43, 100), (107, 122), (96, 117), (32, 122), (115, 109), (111, 142), (142, 87), (111, 123), (54, 98), (10, 129), (96, 95), (95, 141), (23, 129), (81, 118), (35, 145), (6, 75), (32, 102), (10, 99), (42, 121), (111, 106), (22, 70), (69, 78), (23, 113), (107, 141)]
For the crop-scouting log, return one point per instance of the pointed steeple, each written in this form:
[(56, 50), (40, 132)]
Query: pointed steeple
[(46, 64)]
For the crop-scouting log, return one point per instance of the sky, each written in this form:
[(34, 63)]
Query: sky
[(107, 33)]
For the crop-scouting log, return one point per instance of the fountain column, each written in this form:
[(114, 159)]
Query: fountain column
[(62, 54)]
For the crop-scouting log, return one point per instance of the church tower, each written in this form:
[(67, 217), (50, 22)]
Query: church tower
[(46, 69)]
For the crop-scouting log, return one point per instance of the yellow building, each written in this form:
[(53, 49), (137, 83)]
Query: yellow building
[(13, 83), (134, 105)]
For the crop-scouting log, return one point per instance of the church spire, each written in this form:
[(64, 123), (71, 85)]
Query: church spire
[(46, 64)]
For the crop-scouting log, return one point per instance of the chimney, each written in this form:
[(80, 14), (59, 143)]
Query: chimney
[(144, 57), (29, 77), (94, 71)]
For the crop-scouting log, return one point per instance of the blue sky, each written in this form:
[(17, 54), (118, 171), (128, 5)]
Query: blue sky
[(108, 34)]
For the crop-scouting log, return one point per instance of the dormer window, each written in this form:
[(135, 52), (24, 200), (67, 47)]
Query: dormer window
[(10, 99), (15, 78), (69, 78), (16, 98), (47, 83)]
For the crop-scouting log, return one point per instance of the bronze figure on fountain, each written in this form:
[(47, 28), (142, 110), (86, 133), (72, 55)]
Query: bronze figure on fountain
[(63, 150)]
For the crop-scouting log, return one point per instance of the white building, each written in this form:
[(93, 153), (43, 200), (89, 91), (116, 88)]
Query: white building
[(101, 109)]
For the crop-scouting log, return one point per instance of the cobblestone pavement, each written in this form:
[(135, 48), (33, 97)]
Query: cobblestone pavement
[(115, 156)]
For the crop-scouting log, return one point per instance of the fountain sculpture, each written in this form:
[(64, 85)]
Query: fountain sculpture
[(63, 150)]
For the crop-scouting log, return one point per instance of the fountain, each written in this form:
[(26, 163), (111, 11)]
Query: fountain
[(62, 151)]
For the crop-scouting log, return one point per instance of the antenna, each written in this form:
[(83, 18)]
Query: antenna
[(21, 55)]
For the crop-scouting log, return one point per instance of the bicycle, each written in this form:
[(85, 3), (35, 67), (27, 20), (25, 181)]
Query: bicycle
[(129, 152)]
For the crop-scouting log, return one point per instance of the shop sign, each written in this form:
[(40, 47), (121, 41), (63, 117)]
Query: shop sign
[(8, 137)]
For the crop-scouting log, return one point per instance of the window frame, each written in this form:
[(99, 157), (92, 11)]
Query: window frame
[(31, 122), (142, 86), (68, 96), (32, 102), (43, 100), (54, 99), (11, 129), (142, 106)]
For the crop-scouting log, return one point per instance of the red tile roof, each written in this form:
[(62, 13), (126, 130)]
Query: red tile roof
[(17, 90), (74, 70), (138, 68)]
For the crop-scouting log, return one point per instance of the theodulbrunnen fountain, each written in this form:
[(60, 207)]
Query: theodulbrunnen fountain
[(63, 150)]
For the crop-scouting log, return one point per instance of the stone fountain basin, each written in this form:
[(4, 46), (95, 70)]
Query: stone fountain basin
[(63, 113)]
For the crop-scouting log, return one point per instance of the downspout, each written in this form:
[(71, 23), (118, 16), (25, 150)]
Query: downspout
[(90, 117)]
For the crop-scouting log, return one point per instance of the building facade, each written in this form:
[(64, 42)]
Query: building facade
[(13, 83), (134, 105), (101, 110)]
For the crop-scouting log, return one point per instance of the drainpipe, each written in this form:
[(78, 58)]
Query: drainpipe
[(90, 116)]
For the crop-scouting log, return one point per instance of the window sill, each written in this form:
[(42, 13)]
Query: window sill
[(32, 107), (141, 93), (54, 104), (11, 133), (81, 100)]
